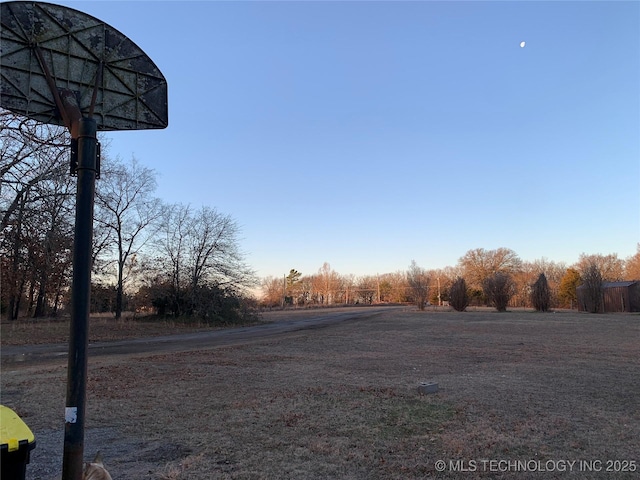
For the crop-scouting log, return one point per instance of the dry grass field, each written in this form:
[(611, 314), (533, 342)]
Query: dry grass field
[(522, 395)]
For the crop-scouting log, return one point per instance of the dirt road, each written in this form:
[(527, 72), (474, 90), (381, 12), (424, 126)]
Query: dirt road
[(26, 355)]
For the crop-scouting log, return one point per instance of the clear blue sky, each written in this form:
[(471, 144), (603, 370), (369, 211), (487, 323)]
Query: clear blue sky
[(368, 134)]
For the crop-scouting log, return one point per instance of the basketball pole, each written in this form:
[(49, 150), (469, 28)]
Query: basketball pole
[(72, 62), (84, 164), (84, 131)]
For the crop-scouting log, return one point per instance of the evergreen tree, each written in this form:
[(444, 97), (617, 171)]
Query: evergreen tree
[(540, 294), (459, 295)]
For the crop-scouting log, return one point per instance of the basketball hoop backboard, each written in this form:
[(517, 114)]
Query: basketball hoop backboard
[(112, 79)]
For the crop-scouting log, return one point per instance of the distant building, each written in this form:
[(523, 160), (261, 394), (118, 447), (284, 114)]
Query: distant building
[(616, 297)]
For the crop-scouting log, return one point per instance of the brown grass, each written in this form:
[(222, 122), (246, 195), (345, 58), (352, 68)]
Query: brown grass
[(101, 329), (342, 402)]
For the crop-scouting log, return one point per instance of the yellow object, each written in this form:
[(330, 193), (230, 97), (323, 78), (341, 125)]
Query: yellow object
[(13, 430)]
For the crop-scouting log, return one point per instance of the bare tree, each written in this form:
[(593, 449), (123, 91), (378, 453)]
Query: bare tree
[(53, 252), (499, 288), (394, 287), (479, 264), (367, 289), (610, 266), (348, 287), (632, 266), (418, 281), (171, 254), (214, 251), (272, 290), (30, 153), (541, 294), (459, 295), (305, 290), (327, 283), (199, 251), (34, 204), (127, 208)]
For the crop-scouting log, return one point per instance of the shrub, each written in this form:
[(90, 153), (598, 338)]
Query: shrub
[(418, 281), (499, 288), (592, 278), (459, 295)]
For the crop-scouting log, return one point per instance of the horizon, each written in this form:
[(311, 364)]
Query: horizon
[(429, 269)]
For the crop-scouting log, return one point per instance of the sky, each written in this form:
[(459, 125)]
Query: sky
[(370, 134)]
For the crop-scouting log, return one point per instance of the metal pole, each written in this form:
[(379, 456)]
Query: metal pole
[(72, 465)]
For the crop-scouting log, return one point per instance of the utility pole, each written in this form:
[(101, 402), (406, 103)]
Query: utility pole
[(284, 290)]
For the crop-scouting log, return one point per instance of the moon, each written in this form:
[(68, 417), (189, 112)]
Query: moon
[(522, 44)]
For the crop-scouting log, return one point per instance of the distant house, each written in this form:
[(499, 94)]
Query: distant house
[(616, 297)]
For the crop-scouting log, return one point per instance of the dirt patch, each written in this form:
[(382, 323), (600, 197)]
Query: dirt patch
[(342, 402)]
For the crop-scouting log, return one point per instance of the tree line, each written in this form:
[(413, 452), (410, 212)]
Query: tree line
[(171, 259), (497, 278), (179, 260)]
